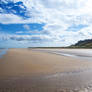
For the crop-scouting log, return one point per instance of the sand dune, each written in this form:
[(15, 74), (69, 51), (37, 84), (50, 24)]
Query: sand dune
[(25, 70)]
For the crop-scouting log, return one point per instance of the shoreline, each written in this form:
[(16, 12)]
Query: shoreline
[(3, 52), (85, 54)]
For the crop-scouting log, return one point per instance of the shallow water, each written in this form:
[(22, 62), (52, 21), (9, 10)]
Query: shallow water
[(3, 52)]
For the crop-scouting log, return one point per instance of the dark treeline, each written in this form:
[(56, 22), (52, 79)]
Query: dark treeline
[(83, 44), (80, 44)]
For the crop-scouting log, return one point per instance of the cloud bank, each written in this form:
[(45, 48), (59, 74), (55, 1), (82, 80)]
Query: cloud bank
[(66, 21)]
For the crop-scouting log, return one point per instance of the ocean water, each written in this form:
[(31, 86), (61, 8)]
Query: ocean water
[(3, 52)]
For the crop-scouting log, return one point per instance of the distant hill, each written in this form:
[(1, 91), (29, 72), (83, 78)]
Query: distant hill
[(80, 44), (83, 44)]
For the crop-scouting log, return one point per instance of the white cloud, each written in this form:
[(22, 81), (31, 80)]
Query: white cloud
[(51, 11), (4, 36), (58, 15), (10, 19), (26, 27)]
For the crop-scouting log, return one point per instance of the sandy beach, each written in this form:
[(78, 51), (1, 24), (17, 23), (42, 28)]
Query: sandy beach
[(26, 70)]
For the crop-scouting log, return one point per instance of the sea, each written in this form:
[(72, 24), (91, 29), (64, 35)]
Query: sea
[(3, 52)]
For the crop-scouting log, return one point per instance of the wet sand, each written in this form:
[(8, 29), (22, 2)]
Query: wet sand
[(77, 53), (25, 70)]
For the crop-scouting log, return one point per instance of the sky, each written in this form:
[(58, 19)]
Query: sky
[(44, 23)]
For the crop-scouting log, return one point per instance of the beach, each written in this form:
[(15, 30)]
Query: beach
[(29, 70)]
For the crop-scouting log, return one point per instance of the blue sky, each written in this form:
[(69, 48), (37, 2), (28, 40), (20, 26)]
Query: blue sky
[(36, 23), (15, 28)]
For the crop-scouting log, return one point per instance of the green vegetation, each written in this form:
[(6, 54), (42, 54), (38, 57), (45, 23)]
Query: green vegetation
[(83, 44), (80, 44)]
